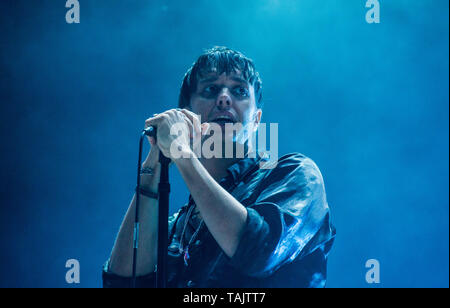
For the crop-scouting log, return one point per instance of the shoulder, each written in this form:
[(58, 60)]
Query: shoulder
[(294, 164), (296, 185)]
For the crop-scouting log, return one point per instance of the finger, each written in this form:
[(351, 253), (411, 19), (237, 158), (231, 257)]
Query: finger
[(190, 126), (176, 113), (155, 120), (152, 117), (194, 118), (205, 127)]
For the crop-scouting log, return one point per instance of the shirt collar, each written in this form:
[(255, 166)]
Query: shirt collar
[(241, 168)]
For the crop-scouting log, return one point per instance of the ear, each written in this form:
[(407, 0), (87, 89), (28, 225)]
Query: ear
[(257, 119)]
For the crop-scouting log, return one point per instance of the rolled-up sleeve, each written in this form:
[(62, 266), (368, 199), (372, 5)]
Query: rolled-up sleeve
[(288, 212)]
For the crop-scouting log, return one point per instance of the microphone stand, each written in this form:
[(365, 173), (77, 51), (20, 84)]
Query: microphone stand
[(163, 214)]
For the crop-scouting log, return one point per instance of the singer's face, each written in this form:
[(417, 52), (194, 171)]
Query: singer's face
[(227, 99)]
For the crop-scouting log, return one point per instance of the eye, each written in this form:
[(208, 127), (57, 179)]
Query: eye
[(241, 91), (210, 90)]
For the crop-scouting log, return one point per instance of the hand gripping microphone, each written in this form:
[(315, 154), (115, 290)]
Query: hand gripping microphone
[(150, 131)]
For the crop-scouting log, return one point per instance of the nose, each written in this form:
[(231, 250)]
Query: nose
[(224, 99)]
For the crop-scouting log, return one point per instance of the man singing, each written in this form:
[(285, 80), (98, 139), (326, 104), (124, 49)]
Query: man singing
[(249, 222)]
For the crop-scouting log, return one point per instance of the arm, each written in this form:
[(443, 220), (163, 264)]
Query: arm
[(121, 259), (224, 216), (288, 211)]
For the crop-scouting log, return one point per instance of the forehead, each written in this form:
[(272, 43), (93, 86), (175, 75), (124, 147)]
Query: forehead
[(213, 76)]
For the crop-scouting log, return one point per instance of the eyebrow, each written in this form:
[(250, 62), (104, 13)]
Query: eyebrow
[(209, 79), (214, 78), (238, 79)]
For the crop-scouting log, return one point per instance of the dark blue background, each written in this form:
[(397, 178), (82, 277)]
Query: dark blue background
[(367, 102)]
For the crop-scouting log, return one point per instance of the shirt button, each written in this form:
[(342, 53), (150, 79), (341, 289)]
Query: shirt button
[(190, 283), (198, 242), (173, 247)]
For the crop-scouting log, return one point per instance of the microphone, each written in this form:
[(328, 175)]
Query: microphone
[(150, 131)]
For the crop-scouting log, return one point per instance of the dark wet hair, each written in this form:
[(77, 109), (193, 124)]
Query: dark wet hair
[(219, 59)]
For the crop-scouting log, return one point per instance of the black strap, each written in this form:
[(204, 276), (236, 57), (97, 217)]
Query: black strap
[(147, 193)]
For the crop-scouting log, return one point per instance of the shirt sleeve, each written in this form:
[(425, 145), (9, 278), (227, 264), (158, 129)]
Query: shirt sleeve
[(111, 280), (289, 211)]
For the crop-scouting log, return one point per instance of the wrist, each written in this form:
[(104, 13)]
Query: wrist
[(187, 165), (152, 194), (150, 163), (150, 175), (184, 157)]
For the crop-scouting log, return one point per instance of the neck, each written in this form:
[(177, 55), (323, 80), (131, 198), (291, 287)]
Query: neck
[(217, 167)]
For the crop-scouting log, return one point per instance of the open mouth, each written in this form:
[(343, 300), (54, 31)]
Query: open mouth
[(222, 120)]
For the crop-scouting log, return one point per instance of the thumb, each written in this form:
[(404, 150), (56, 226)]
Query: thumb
[(204, 128)]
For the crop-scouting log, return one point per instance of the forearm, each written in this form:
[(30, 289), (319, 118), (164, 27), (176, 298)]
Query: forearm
[(121, 260), (224, 216)]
